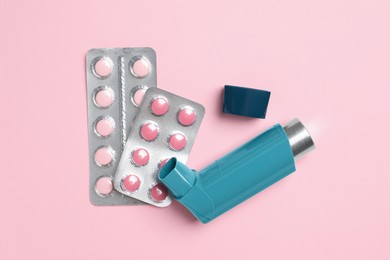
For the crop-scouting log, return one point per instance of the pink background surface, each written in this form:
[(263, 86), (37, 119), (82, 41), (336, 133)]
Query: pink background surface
[(326, 62)]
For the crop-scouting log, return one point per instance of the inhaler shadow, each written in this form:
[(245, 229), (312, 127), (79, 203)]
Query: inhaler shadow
[(184, 214)]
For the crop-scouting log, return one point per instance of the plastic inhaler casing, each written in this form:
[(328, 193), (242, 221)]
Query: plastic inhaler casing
[(237, 176), (245, 101)]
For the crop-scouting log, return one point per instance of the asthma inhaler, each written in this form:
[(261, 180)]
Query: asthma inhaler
[(240, 174)]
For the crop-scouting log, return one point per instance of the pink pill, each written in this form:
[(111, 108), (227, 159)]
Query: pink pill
[(103, 67), (149, 131), (140, 67), (186, 116), (104, 127), (162, 163), (177, 141), (104, 156), (140, 157), (159, 192), (104, 98), (159, 106), (131, 183), (104, 186), (138, 96)]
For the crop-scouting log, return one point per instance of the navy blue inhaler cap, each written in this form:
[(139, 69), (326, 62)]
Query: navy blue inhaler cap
[(245, 101)]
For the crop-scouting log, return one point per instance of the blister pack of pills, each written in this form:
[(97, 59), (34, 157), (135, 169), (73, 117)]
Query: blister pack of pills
[(117, 80), (165, 127)]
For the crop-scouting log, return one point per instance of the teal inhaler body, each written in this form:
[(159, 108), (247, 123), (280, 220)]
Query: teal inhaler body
[(237, 176)]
